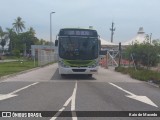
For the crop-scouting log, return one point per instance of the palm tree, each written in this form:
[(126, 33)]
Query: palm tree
[(18, 25)]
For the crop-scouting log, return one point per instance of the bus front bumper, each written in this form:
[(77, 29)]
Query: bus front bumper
[(81, 70)]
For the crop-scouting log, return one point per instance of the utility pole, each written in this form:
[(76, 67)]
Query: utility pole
[(150, 38), (120, 54), (112, 31), (51, 28)]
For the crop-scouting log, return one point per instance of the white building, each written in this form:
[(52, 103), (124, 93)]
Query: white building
[(139, 38), (104, 42)]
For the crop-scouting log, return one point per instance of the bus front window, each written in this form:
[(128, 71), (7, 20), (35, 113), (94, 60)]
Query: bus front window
[(73, 48)]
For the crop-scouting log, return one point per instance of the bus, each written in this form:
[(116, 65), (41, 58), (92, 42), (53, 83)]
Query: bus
[(78, 51)]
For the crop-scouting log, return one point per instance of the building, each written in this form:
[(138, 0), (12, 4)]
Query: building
[(105, 44), (141, 37)]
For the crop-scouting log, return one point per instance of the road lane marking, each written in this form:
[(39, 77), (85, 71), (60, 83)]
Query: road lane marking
[(12, 94), (23, 88), (74, 98), (57, 114), (123, 89), (67, 102), (73, 103), (71, 99), (143, 99)]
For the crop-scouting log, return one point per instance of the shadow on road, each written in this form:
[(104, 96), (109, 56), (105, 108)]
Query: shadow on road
[(57, 76)]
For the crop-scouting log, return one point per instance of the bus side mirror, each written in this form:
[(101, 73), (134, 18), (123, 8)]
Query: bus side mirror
[(99, 44), (56, 42)]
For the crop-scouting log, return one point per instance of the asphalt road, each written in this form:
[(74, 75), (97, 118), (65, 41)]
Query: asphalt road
[(45, 90)]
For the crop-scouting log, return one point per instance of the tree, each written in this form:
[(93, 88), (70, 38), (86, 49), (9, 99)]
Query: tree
[(12, 36), (42, 42), (1, 32), (27, 39), (3, 38), (32, 31), (18, 25), (3, 42), (19, 41), (156, 42), (145, 54)]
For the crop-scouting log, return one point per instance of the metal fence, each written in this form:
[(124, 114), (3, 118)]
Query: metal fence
[(46, 57)]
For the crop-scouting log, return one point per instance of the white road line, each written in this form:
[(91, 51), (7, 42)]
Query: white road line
[(122, 89), (67, 102), (143, 99), (71, 99), (74, 117), (74, 98), (23, 88), (12, 94), (57, 114)]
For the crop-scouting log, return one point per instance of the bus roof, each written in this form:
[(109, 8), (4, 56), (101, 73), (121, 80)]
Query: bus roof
[(78, 28), (78, 32)]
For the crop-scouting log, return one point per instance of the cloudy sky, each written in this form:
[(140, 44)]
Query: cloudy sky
[(128, 16)]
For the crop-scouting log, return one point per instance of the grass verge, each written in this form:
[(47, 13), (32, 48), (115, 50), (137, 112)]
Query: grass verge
[(140, 74), (7, 68)]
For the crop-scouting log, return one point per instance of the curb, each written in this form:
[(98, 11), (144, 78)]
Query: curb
[(153, 84)]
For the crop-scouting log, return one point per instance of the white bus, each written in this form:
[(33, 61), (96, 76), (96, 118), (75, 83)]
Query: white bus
[(78, 51)]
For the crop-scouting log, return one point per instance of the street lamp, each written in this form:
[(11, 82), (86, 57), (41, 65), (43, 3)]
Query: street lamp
[(51, 34), (51, 27)]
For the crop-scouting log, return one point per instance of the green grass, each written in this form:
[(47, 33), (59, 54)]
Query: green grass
[(140, 74), (14, 67)]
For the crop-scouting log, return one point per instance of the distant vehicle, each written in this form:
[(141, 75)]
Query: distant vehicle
[(78, 51)]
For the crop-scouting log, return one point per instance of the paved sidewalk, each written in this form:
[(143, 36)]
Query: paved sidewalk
[(37, 74)]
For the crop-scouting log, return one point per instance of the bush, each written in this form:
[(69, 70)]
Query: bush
[(17, 53), (140, 74), (124, 70)]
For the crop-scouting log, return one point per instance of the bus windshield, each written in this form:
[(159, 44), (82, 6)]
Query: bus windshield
[(78, 48)]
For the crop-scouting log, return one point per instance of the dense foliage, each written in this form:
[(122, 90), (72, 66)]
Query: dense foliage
[(144, 54), (19, 42), (140, 74)]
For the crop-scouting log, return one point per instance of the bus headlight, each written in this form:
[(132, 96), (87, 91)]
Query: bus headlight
[(61, 63), (93, 65)]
